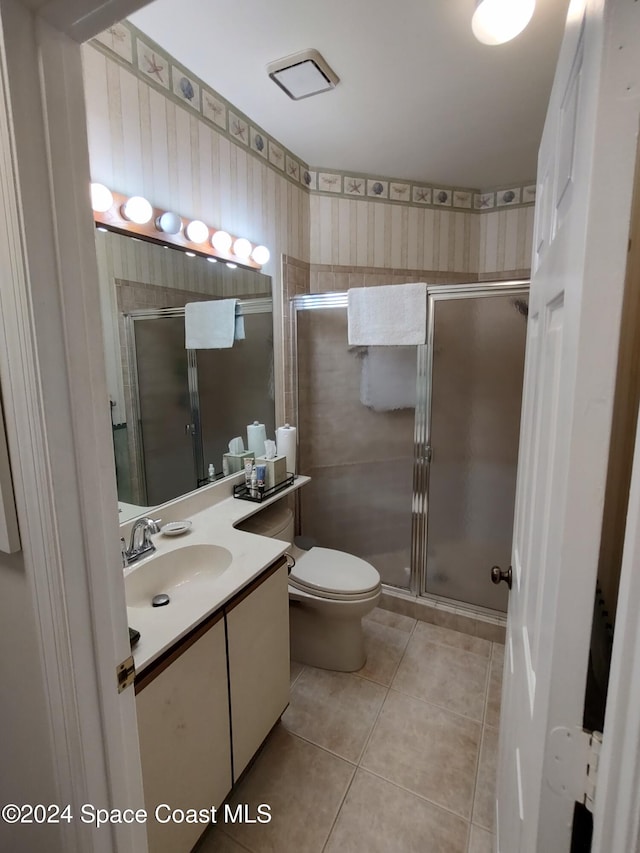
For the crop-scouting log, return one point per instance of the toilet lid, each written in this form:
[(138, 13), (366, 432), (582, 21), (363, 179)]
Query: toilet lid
[(323, 571)]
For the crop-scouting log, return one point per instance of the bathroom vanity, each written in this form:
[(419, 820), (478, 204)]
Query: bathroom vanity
[(212, 674)]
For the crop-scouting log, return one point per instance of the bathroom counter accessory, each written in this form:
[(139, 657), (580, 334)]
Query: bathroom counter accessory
[(243, 492), (175, 528)]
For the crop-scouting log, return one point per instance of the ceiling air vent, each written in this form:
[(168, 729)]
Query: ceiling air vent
[(303, 74)]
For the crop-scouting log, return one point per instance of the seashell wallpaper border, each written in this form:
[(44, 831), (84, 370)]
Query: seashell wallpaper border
[(149, 62)]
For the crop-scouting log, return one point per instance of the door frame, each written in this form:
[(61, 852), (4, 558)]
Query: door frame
[(55, 398), (617, 805)]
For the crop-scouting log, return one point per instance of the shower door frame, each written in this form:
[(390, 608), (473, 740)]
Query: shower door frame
[(440, 293), (422, 423), (263, 305)]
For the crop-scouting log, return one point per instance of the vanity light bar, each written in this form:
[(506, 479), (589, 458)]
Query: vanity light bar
[(171, 229)]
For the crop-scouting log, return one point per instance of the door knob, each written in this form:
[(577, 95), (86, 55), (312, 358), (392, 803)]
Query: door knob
[(498, 575)]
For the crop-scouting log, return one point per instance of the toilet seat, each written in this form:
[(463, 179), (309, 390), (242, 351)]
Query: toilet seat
[(334, 575)]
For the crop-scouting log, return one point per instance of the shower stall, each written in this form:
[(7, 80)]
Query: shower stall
[(412, 451)]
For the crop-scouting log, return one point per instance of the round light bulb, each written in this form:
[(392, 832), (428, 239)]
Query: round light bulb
[(190, 254), (261, 255), (221, 241), (499, 21), (212, 260), (101, 198), (196, 231), (137, 209), (242, 248), (231, 266), (169, 223)]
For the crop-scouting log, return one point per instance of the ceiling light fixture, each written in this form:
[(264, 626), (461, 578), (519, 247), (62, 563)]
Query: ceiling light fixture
[(169, 223), (303, 74), (261, 255), (139, 220), (499, 21), (221, 241), (101, 198), (137, 209), (197, 231), (242, 248)]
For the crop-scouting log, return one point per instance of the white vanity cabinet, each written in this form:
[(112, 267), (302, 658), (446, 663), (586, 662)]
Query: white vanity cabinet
[(206, 704), (183, 726), (258, 649)]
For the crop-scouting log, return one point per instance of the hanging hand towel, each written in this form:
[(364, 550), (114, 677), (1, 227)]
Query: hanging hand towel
[(388, 379), (211, 325), (392, 315)]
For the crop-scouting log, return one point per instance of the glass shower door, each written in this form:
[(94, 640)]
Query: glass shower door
[(356, 409), (478, 342), (165, 412)]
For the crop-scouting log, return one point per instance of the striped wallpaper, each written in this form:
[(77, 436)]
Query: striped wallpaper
[(145, 142), (142, 141), (374, 234), (505, 243)]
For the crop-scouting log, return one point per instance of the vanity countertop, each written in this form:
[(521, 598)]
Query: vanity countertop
[(161, 627)]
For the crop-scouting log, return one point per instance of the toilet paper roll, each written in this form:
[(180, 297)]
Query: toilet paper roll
[(256, 437), (286, 442)]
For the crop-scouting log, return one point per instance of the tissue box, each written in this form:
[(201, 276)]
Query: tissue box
[(276, 470), (235, 461)]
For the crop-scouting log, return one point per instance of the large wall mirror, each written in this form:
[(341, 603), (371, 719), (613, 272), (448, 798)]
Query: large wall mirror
[(174, 410)]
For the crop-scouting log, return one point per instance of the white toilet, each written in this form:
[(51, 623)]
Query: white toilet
[(329, 593)]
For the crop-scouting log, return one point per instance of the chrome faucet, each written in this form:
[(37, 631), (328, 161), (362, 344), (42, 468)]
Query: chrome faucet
[(140, 544)]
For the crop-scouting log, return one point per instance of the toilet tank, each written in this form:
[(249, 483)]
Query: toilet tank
[(274, 521)]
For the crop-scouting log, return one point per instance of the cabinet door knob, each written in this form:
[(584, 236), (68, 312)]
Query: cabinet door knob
[(498, 575)]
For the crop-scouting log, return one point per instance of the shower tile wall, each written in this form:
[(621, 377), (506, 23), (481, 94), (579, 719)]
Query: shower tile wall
[(326, 277), (360, 460)]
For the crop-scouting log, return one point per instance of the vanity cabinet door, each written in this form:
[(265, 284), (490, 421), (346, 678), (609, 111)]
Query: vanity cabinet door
[(258, 648), (183, 726)]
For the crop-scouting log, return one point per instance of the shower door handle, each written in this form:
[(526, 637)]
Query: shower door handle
[(498, 575)]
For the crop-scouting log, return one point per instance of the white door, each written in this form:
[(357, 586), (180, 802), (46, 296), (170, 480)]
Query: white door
[(585, 173)]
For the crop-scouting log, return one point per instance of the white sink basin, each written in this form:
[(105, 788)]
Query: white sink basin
[(182, 574)]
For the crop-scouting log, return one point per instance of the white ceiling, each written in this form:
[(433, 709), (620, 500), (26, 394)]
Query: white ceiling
[(419, 98)]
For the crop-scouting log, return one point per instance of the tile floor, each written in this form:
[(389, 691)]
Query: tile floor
[(399, 757)]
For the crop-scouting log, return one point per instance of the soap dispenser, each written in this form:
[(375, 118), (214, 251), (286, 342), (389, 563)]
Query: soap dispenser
[(212, 473)]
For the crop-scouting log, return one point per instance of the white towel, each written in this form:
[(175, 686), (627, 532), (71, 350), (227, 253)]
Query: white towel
[(212, 325), (393, 315), (388, 378)]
